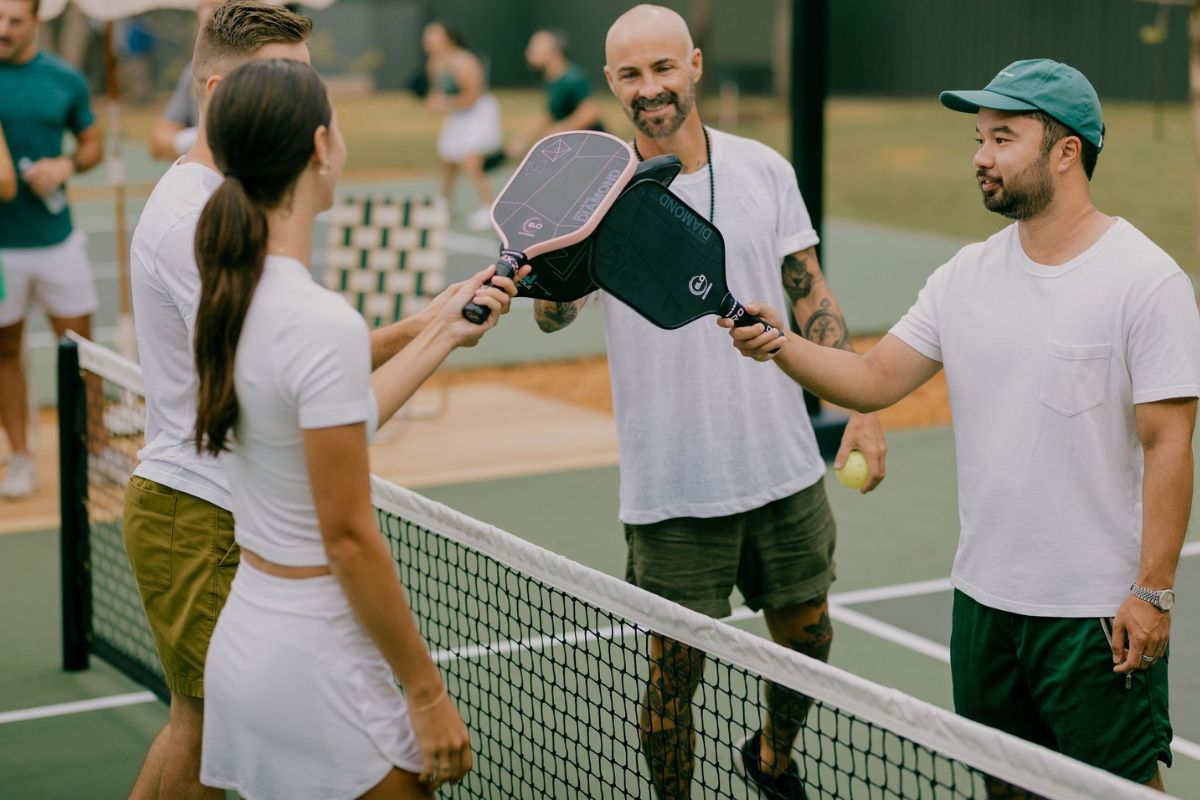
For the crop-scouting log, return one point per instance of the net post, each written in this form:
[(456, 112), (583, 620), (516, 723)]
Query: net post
[(73, 541)]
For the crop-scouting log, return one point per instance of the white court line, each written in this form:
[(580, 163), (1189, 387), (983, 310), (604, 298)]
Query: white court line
[(77, 707)]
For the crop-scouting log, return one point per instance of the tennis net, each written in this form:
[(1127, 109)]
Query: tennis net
[(547, 659)]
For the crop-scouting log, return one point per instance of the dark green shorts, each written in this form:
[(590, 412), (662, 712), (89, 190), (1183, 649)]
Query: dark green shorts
[(1050, 680), (183, 555), (778, 555)]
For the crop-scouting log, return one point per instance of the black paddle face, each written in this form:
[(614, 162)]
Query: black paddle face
[(558, 188), (660, 257), (564, 275)]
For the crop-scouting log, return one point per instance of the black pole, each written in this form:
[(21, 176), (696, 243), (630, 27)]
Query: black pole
[(74, 555)]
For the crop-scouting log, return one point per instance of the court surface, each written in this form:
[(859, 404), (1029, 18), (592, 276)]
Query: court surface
[(891, 615)]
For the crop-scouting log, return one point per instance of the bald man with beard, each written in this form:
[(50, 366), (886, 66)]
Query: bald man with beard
[(698, 522)]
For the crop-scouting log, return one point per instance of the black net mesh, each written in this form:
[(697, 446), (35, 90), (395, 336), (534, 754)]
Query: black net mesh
[(564, 698)]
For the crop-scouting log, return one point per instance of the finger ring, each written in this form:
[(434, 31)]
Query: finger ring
[(1149, 659)]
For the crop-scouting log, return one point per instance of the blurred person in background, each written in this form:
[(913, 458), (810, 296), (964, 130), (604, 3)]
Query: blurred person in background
[(45, 258), (175, 131), (8, 176), (471, 131), (569, 102)]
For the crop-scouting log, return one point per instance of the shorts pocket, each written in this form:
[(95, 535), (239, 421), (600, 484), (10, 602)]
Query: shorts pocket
[(1074, 376), (149, 534)]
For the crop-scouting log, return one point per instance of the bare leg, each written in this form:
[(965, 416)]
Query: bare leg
[(14, 399), (175, 757), (806, 629), (399, 785), (667, 729), (473, 167), (449, 173)]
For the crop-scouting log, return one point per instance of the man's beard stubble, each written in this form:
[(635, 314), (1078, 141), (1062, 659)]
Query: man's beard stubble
[(1026, 195), (683, 107)]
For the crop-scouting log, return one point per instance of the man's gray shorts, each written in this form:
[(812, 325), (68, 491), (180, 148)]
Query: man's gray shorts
[(778, 555)]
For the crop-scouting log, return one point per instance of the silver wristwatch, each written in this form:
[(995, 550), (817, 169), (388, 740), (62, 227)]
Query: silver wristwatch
[(1162, 599)]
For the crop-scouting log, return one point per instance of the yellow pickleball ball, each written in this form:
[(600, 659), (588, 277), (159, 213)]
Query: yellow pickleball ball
[(853, 474)]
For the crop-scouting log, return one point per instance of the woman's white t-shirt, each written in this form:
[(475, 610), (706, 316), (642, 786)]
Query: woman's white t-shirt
[(303, 361)]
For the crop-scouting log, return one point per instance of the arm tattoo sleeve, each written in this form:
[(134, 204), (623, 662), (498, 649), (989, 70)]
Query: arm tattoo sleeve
[(553, 316), (797, 279), (827, 327)]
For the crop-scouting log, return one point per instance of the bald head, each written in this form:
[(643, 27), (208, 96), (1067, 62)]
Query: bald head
[(652, 68), (646, 25)]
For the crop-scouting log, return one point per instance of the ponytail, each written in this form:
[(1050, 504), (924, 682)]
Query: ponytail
[(262, 144), (231, 247)]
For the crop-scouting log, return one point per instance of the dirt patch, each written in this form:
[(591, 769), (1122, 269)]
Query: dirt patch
[(585, 382)]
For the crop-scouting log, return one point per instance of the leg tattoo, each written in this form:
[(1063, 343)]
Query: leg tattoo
[(667, 731), (787, 710)]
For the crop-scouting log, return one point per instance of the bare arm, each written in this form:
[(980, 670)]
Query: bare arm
[(551, 316), (90, 150), (1165, 431), (584, 117), (359, 558), (162, 139), (48, 174), (8, 174)]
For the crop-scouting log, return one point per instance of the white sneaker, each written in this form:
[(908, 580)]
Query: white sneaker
[(20, 479), (480, 219)]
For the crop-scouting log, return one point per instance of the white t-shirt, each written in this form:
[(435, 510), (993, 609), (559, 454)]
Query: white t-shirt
[(704, 431), (303, 361), (166, 293), (1044, 366)]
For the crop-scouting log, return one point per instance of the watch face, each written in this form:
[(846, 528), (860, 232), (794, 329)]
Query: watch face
[(1166, 599)]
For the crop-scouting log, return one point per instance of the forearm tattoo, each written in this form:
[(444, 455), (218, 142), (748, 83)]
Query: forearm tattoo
[(553, 316), (827, 327), (798, 281), (667, 729)]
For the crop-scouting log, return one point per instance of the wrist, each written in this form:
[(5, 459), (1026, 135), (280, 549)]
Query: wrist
[(1161, 598)]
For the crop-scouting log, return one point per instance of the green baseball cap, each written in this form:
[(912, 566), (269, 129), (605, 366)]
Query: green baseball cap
[(1038, 84)]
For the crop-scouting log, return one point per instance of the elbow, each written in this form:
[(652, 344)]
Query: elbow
[(8, 191), (347, 548)]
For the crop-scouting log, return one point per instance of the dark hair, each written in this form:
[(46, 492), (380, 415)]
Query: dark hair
[(1054, 131), (236, 30), (452, 33), (560, 37), (260, 126)]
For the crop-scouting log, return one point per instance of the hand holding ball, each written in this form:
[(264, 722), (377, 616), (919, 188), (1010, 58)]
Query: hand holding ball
[(853, 474)]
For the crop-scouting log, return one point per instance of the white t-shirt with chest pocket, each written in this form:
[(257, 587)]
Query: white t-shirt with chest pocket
[(1044, 366)]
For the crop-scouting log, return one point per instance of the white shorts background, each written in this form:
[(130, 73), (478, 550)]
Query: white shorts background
[(59, 278), (299, 703), (473, 131)]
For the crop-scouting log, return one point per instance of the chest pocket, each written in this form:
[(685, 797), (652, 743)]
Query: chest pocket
[(1074, 376)]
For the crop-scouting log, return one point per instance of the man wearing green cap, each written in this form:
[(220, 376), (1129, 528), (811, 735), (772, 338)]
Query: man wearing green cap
[(1071, 345)]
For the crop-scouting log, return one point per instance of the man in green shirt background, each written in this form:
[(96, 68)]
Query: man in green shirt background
[(569, 102), (45, 258)]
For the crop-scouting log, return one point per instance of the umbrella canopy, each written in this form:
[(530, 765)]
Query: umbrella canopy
[(118, 9)]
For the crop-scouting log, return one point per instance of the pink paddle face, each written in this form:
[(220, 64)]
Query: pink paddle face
[(561, 191)]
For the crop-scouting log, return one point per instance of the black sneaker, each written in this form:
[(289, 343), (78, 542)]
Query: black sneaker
[(786, 786)]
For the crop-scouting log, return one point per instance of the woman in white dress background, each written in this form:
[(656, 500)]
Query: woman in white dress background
[(301, 701), (471, 131)]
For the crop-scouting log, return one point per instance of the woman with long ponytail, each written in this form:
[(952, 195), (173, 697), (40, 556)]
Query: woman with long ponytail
[(300, 698)]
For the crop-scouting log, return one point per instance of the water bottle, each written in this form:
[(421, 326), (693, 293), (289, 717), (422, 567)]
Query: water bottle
[(57, 201)]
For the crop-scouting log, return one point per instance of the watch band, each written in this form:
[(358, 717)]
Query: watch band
[(1151, 596)]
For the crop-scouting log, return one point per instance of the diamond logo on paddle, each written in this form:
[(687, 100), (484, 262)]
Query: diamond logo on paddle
[(696, 226), (556, 150), (700, 286)]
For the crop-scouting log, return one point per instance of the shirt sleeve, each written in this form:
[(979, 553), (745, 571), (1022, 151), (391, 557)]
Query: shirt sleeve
[(326, 366), (919, 327), (793, 226), (176, 270), (79, 115), (179, 107), (1163, 344)]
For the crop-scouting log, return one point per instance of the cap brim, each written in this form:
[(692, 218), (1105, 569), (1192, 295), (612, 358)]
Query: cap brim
[(971, 101)]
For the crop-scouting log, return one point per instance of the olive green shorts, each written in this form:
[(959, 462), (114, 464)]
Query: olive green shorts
[(1050, 680), (777, 556), (183, 556)]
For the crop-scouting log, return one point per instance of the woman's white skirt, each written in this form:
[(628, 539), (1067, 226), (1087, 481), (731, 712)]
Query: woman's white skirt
[(473, 131), (299, 703)]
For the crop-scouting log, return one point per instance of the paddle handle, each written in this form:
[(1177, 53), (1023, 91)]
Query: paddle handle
[(732, 309), (506, 266)]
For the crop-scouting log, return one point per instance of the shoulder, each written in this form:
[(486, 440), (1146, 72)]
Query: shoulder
[(751, 154), (168, 222), (51, 64), (1147, 261)]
